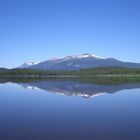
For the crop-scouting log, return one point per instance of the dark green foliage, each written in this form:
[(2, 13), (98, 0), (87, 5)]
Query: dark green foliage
[(110, 71), (102, 80), (114, 71), (94, 80)]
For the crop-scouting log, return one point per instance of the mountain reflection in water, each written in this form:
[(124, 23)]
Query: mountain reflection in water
[(30, 112), (75, 87)]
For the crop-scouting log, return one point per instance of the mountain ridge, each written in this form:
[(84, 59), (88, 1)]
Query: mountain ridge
[(77, 62)]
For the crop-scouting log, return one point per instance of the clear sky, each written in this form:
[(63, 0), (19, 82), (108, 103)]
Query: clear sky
[(35, 30)]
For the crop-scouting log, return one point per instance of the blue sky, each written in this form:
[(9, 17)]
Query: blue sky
[(35, 30)]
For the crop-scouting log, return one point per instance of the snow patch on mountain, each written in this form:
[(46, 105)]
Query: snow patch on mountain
[(74, 57), (32, 63), (28, 64), (81, 56), (86, 55), (2, 67)]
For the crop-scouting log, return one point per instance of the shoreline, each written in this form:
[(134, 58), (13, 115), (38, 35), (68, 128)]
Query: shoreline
[(65, 76)]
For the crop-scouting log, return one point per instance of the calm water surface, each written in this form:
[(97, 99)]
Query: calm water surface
[(69, 110)]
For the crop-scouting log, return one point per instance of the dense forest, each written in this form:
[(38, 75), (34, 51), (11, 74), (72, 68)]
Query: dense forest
[(102, 71)]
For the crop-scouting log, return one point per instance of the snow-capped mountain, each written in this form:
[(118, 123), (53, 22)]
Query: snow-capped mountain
[(73, 57), (1, 67), (76, 62), (28, 64)]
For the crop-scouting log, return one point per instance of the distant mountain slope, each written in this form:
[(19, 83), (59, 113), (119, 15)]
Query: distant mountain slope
[(82, 61)]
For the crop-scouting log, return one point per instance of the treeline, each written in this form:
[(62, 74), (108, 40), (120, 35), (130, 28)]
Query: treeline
[(80, 73), (31, 72), (110, 71)]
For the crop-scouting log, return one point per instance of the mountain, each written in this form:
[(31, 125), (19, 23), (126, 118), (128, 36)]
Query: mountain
[(76, 62), (2, 67), (27, 64)]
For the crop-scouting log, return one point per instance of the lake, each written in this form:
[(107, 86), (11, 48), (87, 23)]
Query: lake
[(69, 110)]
